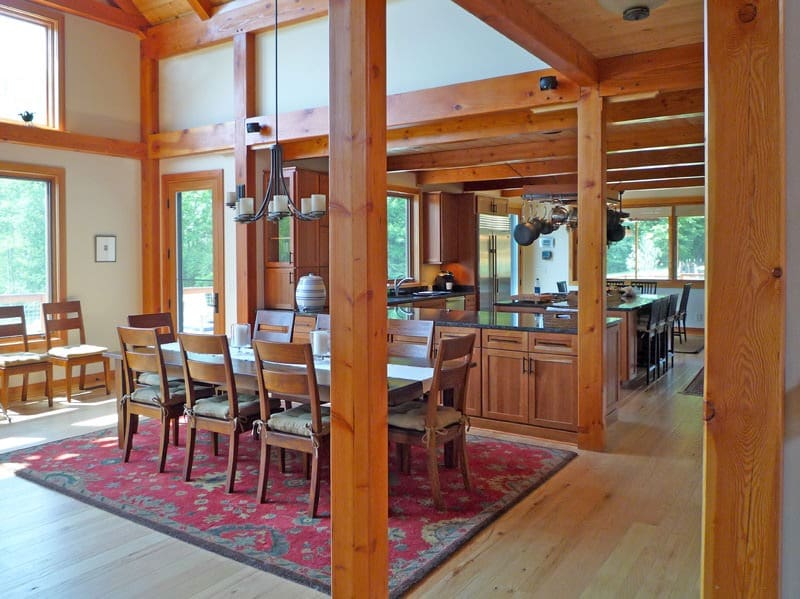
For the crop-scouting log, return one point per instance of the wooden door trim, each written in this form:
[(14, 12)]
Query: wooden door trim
[(177, 182)]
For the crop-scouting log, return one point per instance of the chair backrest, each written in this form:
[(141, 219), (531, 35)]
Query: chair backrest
[(274, 325), (12, 329), (687, 287), (323, 322), (451, 371), (162, 321), (287, 370), (672, 310), (62, 317), (662, 311), (649, 287), (561, 286), (616, 283), (141, 352), (207, 359), (410, 338)]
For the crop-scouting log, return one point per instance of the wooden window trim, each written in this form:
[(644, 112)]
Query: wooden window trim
[(53, 21), (56, 176)]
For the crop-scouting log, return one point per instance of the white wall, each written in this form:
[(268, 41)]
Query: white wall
[(196, 88), (791, 465), (101, 90)]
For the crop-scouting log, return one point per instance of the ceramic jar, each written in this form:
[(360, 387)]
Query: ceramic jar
[(310, 293)]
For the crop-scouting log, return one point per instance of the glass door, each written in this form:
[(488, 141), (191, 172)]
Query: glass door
[(195, 294)]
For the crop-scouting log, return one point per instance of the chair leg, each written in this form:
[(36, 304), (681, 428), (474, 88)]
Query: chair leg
[(313, 498), (191, 435), (68, 382), (128, 446), (215, 444), (282, 452), (24, 387), (233, 454), (48, 384), (82, 381), (106, 370), (464, 463), (433, 477), (4, 396), (176, 420), (263, 470), (164, 441)]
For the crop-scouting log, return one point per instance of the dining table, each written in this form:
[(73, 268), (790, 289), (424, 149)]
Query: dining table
[(407, 378)]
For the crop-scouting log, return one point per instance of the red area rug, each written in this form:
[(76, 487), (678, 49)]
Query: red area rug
[(278, 536)]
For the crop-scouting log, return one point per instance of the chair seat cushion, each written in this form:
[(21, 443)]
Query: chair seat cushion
[(152, 379), (151, 394), (411, 415), (216, 406), (75, 351), (23, 357), (297, 421)]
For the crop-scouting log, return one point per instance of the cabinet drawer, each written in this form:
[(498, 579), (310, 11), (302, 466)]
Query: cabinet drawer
[(553, 343), (449, 332), (501, 339)]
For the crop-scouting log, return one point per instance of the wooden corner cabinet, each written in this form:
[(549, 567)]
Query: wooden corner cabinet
[(439, 227), (293, 247)]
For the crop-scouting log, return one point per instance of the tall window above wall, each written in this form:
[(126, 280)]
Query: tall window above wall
[(31, 42), (690, 225), (399, 234), (31, 239)]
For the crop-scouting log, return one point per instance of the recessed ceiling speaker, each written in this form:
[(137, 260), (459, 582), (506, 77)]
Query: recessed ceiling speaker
[(631, 10)]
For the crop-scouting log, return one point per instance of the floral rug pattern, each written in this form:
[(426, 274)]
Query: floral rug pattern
[(278, 536)]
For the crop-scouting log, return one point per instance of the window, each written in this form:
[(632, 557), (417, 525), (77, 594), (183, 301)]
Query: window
[(646, 251), (30, 239), (399, 234), (31, 82), (691, 242)]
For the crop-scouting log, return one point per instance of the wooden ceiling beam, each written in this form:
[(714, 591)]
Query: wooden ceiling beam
[(64, 140), (498, 171), (202, 8), (664, 172), (657, 184), (519, 182), (197, 140), (101, 13), (128, 7), (662, 157), (655, 135), (673, 69), (522, 23), (669, 104), (190, 33)]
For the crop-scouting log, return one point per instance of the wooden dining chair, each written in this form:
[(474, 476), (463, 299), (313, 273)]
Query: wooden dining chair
[(274, 325), (287, 369), (409, 338), (161, 321), (431, 424), (63, 324), (155, 396), (207, 360), (680, 317), (16, 359)]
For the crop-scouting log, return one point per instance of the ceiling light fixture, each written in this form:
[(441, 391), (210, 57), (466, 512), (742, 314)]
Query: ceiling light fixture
[(631, 10), (277, 202)]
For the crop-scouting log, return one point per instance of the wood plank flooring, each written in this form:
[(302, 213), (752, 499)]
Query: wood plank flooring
[(621, 523)]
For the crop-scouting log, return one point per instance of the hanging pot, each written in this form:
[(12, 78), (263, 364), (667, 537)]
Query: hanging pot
[(526, 233)]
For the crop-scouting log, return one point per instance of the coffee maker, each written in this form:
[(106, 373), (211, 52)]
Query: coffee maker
[(445, 281)]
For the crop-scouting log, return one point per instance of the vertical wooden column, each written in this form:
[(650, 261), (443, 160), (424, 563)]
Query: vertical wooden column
[(244, 77), (591, 270), (152, 280), (359, 470), (745, 299)]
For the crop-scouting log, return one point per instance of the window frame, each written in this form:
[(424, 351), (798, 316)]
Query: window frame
[(413, 235), (53, 21), (672, 280), (56, 177)]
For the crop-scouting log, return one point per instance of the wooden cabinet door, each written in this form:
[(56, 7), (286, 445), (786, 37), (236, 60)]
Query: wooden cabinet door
[(505, 385), (440, 228), (306, 232), (554, 391), (324, 224), (491, 205), (473, 402), (279, 286)]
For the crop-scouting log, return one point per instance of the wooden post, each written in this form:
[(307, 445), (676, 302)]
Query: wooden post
[(359, 454), (244, 77), (746, 328), (591, 270), (152, 292)]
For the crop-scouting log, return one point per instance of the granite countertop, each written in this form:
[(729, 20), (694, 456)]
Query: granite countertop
[(410, 298), (490, 319), (614, 302)]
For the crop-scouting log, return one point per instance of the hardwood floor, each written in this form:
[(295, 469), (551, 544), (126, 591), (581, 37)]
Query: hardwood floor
[(622, 523)]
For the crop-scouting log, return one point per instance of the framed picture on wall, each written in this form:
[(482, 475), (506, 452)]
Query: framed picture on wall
[(105, 248)]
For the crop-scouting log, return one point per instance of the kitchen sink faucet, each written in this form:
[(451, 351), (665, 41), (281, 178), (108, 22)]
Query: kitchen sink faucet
[(399, 281)]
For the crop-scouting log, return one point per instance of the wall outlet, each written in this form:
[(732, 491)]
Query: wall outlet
[(699, 317)]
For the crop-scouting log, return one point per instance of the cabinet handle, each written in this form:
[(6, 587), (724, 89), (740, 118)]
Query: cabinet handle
[(523, 365), (501, 339), (530, 365), (291, 257), (291, 277)]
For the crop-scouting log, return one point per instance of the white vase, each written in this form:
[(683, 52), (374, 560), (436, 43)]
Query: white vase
[(310, 293)]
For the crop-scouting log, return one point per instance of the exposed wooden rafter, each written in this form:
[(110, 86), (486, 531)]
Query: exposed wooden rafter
[(676, 68), (202, 8), (520, 22), (102, 13)]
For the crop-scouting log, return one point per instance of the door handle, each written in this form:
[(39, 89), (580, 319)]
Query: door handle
[(216, 303)]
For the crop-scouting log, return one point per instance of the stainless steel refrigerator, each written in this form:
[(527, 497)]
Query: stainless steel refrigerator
[(494, 259)]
